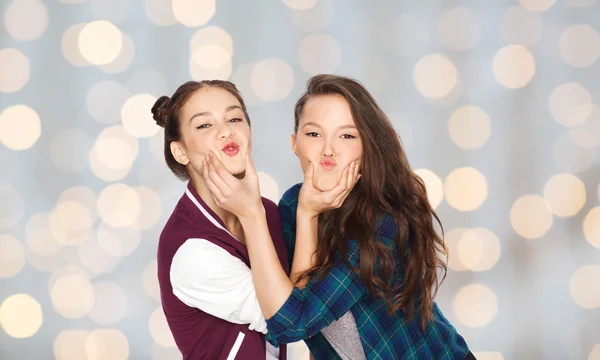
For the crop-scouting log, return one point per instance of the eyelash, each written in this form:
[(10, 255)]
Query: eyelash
[(205, 126), (346, 136)]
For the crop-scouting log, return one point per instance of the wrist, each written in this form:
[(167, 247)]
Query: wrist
[(303, 212), (253, 215)]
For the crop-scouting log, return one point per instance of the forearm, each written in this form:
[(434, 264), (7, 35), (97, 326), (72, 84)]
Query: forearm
[(306, 246), (273, 287)]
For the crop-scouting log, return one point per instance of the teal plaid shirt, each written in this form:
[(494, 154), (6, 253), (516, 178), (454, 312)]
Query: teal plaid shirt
[(383, 337)]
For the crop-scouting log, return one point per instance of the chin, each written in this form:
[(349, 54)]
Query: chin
[(325, 182)]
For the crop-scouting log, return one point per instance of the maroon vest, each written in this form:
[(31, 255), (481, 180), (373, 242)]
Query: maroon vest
[(200, 335)]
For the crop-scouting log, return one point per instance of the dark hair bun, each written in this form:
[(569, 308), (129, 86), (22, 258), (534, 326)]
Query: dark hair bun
[(159, 111)]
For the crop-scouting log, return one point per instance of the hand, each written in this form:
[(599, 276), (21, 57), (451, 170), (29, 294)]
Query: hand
[(312, 202), (241, 197)]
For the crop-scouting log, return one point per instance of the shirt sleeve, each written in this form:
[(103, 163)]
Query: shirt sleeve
[(287, 213), (207, 277), (309, 310)]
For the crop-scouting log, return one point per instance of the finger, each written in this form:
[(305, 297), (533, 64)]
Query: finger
[(224, 174), (309, 172), (339, 189), (250, 169), (216, 178), (215, 191)]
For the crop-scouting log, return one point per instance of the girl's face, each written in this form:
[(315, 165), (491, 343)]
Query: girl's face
[(213, 120), (327, 136)]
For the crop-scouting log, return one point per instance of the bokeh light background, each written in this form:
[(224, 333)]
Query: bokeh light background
[(497, 103)]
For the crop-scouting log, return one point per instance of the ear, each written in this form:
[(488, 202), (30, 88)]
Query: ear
[(179, 153), (293, 143)]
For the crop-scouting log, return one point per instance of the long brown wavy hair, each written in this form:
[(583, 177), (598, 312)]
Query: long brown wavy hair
[(388, 185)]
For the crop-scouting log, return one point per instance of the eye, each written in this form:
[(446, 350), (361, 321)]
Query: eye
[(235, 120), (203, 126), (312, 134), (348, 136)]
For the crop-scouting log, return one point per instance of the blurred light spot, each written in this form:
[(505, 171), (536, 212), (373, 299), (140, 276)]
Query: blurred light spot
[(150, 280), (125, 58), (39, 238), (570, 104), (435, 76), (20, 127), (161, 353), (115, 149), (403, 128), (513, 66), (452, 238), (100, 42), (70, 46), (319, 53), (595, 353), (469, 127), (119, 242), (64, 230), (147, 80), (70, 345), (14, 72), (150, 207), (136, 117), (565, 194), (241, 78), (465, 188), (591, 226), (107, 344), (570, 156), (110, 303), (160, 12), (212, 35), (300, 4), (159, 329), (409, 35), (112, 10), (433, 183), (193, 12), (585, 287), (530, 216), (21, 316), (459, 29), (317, 18), (119, 205), (74, 215), (12, 206), (488, 355), (580, 4), (72, 296), (12, 256), (26, 20), (69, 149), (537, 5), (579, 45), (478, 249), (268, 186), (66, 270), (475, 305), (520, 26), (452, 96), (105, 100), (272, 79), (210, 62), (95, 259), (588, 134)]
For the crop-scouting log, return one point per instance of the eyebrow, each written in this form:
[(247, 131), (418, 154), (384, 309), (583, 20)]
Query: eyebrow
[(319, 126), (208, 113)]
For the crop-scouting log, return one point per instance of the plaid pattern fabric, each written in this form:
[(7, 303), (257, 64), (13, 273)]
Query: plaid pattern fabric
[(383, 337)]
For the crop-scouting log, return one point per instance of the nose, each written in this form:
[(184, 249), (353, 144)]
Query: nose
[(327, 149), (225, 132)]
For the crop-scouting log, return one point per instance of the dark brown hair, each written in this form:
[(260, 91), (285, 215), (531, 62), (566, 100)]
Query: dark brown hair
[(167, 113), (388, 185)]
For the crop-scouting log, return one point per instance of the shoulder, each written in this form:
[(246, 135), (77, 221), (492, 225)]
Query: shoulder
[(290, 197)]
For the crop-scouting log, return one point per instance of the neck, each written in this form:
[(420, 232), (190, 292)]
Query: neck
[(231, 221)]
